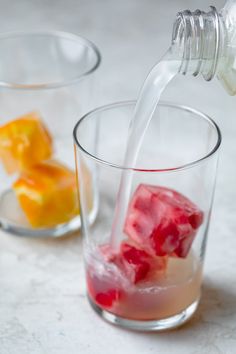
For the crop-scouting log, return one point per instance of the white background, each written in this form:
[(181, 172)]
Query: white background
[(43, 308)]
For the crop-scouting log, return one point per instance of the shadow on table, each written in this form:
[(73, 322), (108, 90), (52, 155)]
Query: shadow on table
[(217, 302)]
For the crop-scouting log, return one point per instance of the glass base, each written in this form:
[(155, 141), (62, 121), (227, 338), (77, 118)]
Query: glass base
[(147, 326), (13, 220)]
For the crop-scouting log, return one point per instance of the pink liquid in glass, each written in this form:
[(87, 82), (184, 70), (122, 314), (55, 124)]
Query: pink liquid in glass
[(167, 294)]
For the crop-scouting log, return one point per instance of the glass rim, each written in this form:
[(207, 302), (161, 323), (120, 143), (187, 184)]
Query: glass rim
[(163, 104), (52, 33)]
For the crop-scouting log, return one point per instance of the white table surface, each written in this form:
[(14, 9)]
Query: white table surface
[(43, 307)]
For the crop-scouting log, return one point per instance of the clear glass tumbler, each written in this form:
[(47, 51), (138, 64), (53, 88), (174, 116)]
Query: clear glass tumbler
[(46, 82), (152, 279)]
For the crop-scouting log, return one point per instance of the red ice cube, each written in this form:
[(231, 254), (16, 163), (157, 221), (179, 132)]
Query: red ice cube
[(133, 262), (101, 291), (137, 264), (162, 221), (108, 298)]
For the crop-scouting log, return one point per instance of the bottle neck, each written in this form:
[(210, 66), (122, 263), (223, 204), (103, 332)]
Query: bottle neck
[(198, 40)]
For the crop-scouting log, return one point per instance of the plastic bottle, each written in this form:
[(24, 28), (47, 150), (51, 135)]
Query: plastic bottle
[(205, 43)]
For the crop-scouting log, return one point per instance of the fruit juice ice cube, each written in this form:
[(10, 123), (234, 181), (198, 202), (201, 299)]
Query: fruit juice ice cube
[(24, 142), (47, 194), (135, 263), (101, 269), (138, 265), (108, 279), (162, 221), (102, 291), (154, 274)]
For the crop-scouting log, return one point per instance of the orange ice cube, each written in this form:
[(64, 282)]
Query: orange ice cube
[(24, 142), (47, 194)]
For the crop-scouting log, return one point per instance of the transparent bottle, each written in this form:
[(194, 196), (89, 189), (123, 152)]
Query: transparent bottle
[(205, 43)]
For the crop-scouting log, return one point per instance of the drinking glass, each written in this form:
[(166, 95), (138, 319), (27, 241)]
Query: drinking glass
[(52, 74), (150, 279)]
